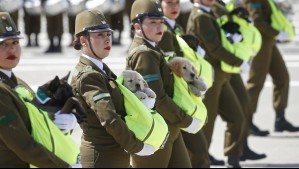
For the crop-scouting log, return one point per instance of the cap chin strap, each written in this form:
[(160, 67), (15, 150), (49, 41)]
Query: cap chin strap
[(90, 46), (140, 23)]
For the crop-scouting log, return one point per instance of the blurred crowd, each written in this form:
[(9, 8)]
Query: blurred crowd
[(55, 10)]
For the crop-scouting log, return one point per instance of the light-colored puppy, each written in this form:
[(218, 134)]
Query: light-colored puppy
[(183, 68), (136, 84)]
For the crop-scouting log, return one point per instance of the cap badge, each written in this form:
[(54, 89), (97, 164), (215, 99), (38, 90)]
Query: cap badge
[(9, 29)]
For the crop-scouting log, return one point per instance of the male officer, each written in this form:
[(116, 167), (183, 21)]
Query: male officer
[(116, 20), (55, 31), (269, 61), (32, 24)]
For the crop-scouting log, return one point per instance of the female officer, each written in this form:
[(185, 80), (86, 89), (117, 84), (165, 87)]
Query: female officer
[(106, 140), (195, 143), (18, 146), (146, 58)]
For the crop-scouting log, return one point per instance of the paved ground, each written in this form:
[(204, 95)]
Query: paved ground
[(282, 149)]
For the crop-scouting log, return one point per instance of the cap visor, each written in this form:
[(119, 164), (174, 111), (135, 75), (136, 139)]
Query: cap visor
[(101, 30), (11, 37)]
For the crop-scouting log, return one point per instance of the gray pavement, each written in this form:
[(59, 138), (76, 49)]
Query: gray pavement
[(282, 149)]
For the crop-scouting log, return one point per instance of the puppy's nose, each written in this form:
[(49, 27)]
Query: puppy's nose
[(138, 86), (192, 75)]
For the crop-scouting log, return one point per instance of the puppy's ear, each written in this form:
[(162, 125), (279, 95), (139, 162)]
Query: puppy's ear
[(65, 78), (178, 68), (54, 84)]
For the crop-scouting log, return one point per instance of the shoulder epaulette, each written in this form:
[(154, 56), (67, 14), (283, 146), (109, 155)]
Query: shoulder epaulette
[(138, 48), (85, 70)]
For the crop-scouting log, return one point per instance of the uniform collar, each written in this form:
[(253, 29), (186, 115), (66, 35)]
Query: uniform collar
[(150, 42), (6, 72), (203, 7), (97, 62), (171, 22)]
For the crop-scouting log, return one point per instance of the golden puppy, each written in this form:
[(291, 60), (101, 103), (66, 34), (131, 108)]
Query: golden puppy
[(183, 68), (136, 84)]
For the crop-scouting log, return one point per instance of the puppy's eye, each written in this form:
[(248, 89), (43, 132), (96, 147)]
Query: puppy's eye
[(130, 81), (184, 67)]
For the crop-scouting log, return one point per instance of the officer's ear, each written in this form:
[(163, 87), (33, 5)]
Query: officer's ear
[(137, 27), (83, 40)]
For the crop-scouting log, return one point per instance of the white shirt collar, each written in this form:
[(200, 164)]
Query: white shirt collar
[(97, 62), (150, 42), (171, 22), (205, 8), (7, 72)]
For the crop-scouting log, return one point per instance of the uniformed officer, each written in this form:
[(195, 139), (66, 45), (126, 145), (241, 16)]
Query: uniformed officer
[(19, 149), (238, 86), (128, 7), (148, 59), (54, 31), (32, 24), (116, 20), (195, 143), (202, 24), (269, 61), (106, 140)]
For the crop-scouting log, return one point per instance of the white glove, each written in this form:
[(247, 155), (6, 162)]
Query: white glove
[(65, 122), (245, 67), (76, 166), (201, 51), (149, 102), (282, 36), (236, 37), (147, 150), (194, 126)]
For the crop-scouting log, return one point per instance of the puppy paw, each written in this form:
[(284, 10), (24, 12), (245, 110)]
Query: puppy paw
[(140, 95), (195, 90), (150, 93), (201, 84)]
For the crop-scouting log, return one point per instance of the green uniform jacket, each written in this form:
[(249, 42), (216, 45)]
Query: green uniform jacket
[(150, 63), (104, 125), (17, 147), (260, 11), (208, 33)]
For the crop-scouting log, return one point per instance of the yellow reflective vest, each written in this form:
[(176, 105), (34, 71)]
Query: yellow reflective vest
[(241, 50), (188, 102), (206, 70), (148, 125), (45, 132), (279, 22)]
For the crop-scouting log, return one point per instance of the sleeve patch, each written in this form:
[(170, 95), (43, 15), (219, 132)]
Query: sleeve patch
[(151, 78), (255, 6), (6, 119), (100, 97)]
